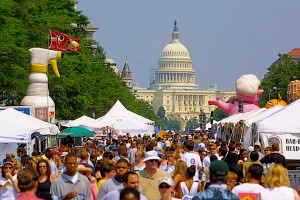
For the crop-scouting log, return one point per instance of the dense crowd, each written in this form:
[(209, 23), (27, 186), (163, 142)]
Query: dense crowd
[(194, 166)]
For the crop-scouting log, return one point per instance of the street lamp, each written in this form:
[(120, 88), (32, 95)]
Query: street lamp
[(271, 90)]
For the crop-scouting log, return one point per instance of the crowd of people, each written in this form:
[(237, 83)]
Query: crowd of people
[(193, 166)]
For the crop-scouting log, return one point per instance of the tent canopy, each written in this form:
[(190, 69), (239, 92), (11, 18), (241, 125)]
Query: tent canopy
[(118, 113), (88, 122), (285, 120), (10, 133), (78, 131), (262, 115), (29, 123), (130, 125)]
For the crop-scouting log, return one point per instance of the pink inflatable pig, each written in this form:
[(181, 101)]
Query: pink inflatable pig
[(247, 89)]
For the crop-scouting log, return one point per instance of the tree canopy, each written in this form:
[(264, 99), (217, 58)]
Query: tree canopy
[(278, 77), (87, 85)]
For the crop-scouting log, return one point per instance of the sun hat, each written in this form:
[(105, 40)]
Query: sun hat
[(166, 180), (8, 162), (84, 170), (219, 168), (151, 155), (64, 153)]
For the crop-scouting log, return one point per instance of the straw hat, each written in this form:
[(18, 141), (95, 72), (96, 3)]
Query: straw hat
[(84, 170)]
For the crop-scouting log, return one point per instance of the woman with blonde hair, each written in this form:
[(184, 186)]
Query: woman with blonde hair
[(172, 157), (277, 185), (231, 180), (139, 165), (179, 175)]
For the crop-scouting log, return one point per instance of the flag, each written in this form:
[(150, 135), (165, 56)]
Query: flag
[(62, 42)]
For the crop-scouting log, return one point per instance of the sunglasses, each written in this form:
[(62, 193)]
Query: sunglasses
[(203, 154), (153, 161), (42, 166), (7, 167), (164, 186)]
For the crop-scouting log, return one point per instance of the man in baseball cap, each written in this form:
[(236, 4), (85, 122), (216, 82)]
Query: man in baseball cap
[(218, 172)]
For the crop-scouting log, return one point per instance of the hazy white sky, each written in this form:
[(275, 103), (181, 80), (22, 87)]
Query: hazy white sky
[(225, 39)]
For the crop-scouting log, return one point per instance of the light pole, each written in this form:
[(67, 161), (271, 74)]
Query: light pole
[(271, 90)]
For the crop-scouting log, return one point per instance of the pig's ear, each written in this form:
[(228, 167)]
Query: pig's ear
[(259, 92)]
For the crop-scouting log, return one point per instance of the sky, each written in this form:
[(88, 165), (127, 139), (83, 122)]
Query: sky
[(225, 39)]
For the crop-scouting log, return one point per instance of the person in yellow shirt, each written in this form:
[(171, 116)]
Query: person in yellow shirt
[(107, 171)]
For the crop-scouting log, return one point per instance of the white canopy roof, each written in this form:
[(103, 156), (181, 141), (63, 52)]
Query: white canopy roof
[(285, 120), (230, 118), (87, 122), (246, 115), (29, 123), (118, 112), (10, 133), (130, 125), (262, 115)]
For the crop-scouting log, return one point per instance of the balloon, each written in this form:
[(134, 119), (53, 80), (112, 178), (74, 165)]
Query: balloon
[(247, 88)]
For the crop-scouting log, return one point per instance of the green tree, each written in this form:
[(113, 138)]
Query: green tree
[(173, 125), (279, 75), (192, 124), (86, 84), (161, 113), (219, 114)]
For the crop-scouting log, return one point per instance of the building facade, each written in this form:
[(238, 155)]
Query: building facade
[(174, 86)]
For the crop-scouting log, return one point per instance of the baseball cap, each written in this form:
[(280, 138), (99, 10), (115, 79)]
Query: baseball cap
[(219, 168), (113, 147), (55, 152), (166, 180)]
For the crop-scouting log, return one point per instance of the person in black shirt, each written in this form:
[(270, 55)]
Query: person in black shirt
[(274, 157)]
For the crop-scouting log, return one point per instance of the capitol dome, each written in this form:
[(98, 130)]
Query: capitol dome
[(175, 68), (175, 49)]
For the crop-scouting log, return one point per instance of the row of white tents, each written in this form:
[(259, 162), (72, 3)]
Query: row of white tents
[(19, 128), (265, 126), (118, 119)]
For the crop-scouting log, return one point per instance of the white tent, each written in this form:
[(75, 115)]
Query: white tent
[(29, 123), (10, 133), (249, 126), (130, 125), (118, 113), (283, 127), (87, 122), (230, 118), (285, 120)]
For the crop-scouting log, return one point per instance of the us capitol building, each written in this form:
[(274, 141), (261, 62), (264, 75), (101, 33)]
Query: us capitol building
[(174, 86)]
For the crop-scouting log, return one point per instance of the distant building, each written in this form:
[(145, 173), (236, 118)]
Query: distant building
[(174, 86), (126, 75)]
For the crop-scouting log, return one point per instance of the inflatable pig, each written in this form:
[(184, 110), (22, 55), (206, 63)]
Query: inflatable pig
[(247, 89)]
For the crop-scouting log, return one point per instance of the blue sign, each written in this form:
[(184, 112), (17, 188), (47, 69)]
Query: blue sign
[(23, 110)]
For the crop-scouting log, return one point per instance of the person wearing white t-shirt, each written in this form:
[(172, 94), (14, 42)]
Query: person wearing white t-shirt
[(252, 188), (212, 151), (191, 158)]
